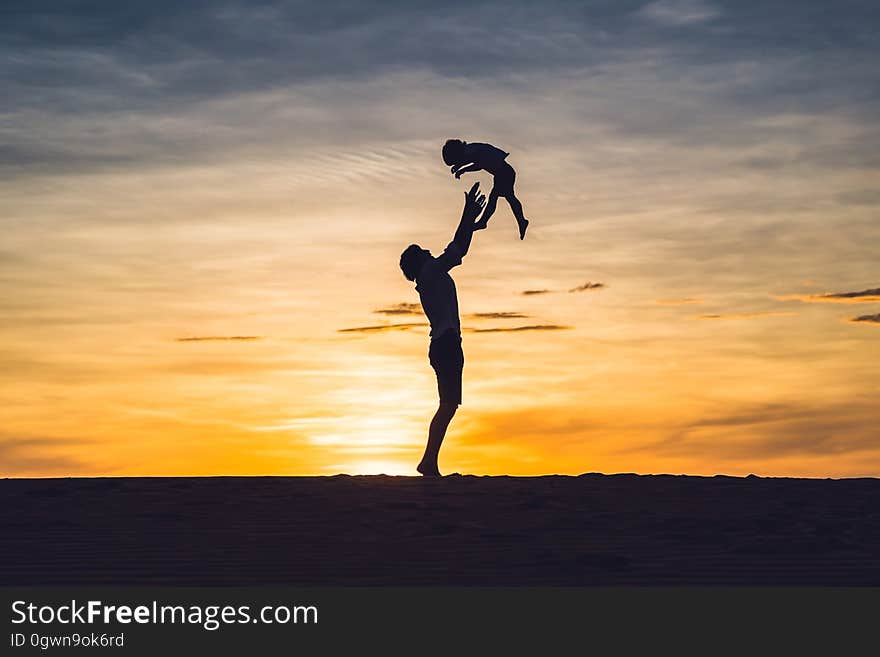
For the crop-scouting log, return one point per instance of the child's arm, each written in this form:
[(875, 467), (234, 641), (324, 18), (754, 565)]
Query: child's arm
[(464, 169)]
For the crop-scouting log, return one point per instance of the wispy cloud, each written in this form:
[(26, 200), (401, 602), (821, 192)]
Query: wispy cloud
[(587, 287), (416, 309), (389, 328), (38, 456), (220, 338), (516, 329), (687, 301), (776, 429), (676, 13), (864, 296), (859, 197), (745, 315), (383, 328), (497, 315), (401, 309), (866, 319)]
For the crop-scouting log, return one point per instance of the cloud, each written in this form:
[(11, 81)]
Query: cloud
[(401, 309), (37, 456), (859, 197), (746, 315), (686, 301), (220, 338), (864, 296), (516, 329), (416, 309), (776, 430), (497, 315), (387, 328), (383, 328), (866, 319), (102, 84), (587, 286), (676, 13)]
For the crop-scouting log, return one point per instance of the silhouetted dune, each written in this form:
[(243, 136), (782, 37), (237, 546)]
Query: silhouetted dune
[(554, 530)]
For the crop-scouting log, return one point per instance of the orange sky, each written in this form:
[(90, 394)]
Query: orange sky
[(732, 227)]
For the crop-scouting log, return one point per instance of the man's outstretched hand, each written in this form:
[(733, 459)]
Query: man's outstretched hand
[(474, 202), (473, 206)]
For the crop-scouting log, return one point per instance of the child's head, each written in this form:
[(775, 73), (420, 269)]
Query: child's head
[(453, 152)]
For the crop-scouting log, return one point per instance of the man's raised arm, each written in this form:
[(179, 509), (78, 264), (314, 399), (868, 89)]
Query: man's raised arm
[(473, 207)]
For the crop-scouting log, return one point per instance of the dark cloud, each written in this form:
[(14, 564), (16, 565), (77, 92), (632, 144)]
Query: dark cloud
[(406, 326), (383, 328), (516, 329), (401, 309), (130, 64), (497, 315), (220, 338), (864, 296), (388, 328), (587, 287), (416, 309), (679, 13), (866, 319)]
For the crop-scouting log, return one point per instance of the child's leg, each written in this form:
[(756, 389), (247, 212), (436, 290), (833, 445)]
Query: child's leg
[(516, 206), (517, 209), (488, 211)]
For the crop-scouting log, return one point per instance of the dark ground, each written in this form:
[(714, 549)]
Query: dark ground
[(461, 530)]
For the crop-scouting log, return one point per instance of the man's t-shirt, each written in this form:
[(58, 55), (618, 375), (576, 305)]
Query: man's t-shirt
[(437, 291)]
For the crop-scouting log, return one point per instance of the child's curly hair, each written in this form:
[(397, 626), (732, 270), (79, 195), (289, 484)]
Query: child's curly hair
[(453, 151)]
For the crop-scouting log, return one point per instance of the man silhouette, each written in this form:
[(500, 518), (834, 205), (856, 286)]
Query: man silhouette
[(440, 302)]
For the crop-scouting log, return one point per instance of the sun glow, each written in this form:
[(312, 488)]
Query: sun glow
[(369, 467)]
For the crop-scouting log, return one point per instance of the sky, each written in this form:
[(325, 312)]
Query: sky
[(203, 205)]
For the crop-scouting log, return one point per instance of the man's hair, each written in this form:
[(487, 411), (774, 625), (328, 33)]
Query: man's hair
[(410, 260), (453, 151)]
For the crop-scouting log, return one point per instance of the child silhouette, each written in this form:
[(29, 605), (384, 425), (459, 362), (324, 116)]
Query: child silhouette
[(463, 157)]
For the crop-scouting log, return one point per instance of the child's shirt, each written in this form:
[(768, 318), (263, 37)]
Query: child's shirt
[(485, 156)]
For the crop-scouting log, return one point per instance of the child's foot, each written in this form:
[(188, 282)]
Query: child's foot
[(480, 225), (522, 228)]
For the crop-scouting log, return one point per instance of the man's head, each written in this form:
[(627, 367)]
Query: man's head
[(453, 152), (411, 260)]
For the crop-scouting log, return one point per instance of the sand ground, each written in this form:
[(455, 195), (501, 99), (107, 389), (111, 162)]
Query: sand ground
[(461, 530)]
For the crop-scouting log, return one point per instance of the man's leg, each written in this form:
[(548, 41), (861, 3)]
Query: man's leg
[(436, 434)]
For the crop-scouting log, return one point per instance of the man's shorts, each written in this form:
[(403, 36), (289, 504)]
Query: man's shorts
[(447, 359)]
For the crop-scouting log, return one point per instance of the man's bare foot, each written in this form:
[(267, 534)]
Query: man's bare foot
[(428, 471), (522, 228)]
